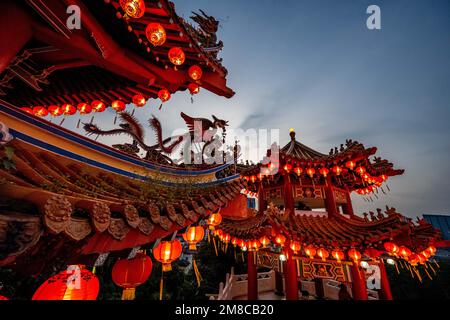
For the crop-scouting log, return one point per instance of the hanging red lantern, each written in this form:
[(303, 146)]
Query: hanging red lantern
[(133, 8), (195, 72), (253, 245), (3, 298), (214, 220), (413, 259), (311, 172), (131, 273), (350, 164), (265, 241), (391, 248), (338, 255), (372, 253), (84, 108), (226, 238), (27, 110), (404, 252), (234, 241), (287, 167), (155, 33), (118, 105), (253, 179), (164, 95), (193, 88), (243, 245), (422, 259), (431, 250), (68, 109), (426, 254), (337, 170), (176, 56), (166, 252), (98, 106), (194, 235), (39, 111), (280, 239), (360, 170), (295, 246), (139, 100), (354, 254), (323, 253), (55, 110), (324, 171), (298, 171), (384, 177), (75, 283), (310, 251)]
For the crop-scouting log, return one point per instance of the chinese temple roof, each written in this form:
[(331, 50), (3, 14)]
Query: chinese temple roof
[(298, 150)]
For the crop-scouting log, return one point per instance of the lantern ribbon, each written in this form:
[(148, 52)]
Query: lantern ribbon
[(426, 271), (396, 268), (215, 246), (418, 274), (161, 286), (197, 272), (432, 269), (128, 293)]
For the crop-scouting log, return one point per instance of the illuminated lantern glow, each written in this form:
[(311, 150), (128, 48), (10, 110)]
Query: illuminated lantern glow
[(68, 109), (422, 259), (176, 56), (166, 252), (298, 171), (139, 100), (193, 88), (310, 251), (295, 246), (254, 245), (311, 172), (98, 106), (404, 252), (265, 241), (75, 283), (27, 110), (413, 259), (55, 111), (324, 171), (391, 247), (133, 8), (155, 33), (195, 72), (131, 273), (226, 238), (360, 170), (323, 253), (260, 176), (118, 105), (431, 250), (354, 254), (40, 111), (234, 241), (218, 233), (384, 177), (372, 253), (350, 164), (287, 167), (426, 254), (214, 220), (243, 244), (280, 239), (337, 170), (193, 235), (338, 255), (253, 179), (84, 108), (164, 95)]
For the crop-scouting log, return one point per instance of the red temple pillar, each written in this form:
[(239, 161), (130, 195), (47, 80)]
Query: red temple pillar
[(318, 284), (347, 208), (261, 199), (290, 276), (279, 290), (289, 203), (330, 199), (359, 288), (252, 277), (386, 293)]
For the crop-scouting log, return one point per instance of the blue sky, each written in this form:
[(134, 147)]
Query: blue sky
[(314, 66)]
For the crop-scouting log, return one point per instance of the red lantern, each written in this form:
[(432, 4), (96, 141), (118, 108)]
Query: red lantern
[(166, 252), (195, 72), (295, 246), (372, 253), (391, 247), (404, 252), (287, 167), (298, 171), (234, 241), (84, 108), (27, 110), (55, 111), (413, 259), (155, 33), (3, 298), (280, 239), (176, 56), (193, 88), (130, 273), (422, 258), (310, 251), (253, 245), (68, 109), (214, 220), (337, 170), (338, 255), (98, 106), (118, 105), (384, 177), (243, 245), (264, 241), (164, 95), (311, 172), (133, 8), (40, 111), (75, 283), (426, 254), (324, 171), (360, 170), (350, 164), (226, 238), (431, 250), (139, 100), (323, 253), (194, 235), (354, 254)]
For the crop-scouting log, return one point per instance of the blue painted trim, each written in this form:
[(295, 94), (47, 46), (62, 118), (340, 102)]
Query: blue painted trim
[(87, 143)]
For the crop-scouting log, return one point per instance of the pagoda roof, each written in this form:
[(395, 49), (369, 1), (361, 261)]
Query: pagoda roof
[(298, 150)]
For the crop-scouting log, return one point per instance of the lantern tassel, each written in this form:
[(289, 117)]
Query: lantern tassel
[(92, 119), (132, 112), (426, 271), (197, 272), (396, 268), (78, 123), (62, 121), (209, 238), (192, 99), (215, 246), (160, 106), (382, 190), (128, 294), (94, 269), (388, 187), (235, 257), (432, 269), (298, 267), (436, 263), (161, 286), (418, 274), (115, 119)]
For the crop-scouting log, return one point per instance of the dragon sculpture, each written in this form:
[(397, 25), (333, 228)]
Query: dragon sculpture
[(206, 32), (199, 128)]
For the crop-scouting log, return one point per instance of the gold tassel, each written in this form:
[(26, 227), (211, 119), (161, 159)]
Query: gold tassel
[(418, 274), (196, 271), (298, 267), (396, 267), (432, 269), (62, 121), (209, 238), (235, 258), (78, 123), (426, 271), (94, 269), (161, 286), (226, 248), (115, 119), (128, 293), (215, 246), (436, 263), (410, 270)]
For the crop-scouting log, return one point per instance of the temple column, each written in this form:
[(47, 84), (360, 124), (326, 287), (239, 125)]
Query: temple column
[(261, 200), (347, 208), (289, 203), (252, 277), (279, 290), (330, 200), (290, 276), (359, 288), (385, 291), (318, 284)]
